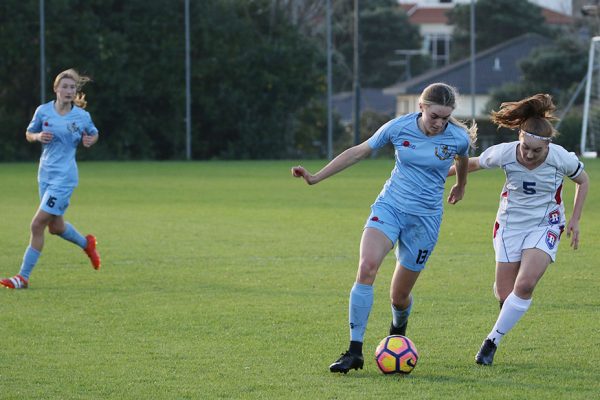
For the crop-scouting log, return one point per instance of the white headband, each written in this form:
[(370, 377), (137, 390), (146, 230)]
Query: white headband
[(544, 138)]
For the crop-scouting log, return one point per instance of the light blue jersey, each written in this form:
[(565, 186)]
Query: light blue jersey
[(57, 163), (416, 185)]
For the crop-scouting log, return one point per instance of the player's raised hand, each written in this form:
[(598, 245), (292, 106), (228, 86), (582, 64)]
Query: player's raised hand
[(301, 172)]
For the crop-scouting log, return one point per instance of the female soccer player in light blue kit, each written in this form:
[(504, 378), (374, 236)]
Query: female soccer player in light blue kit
[(60, 126), (531, 217), (408, 211)]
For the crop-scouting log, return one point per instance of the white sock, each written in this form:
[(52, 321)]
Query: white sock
[(513, 309)]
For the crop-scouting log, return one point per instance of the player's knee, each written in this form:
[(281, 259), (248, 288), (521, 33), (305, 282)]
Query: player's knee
[(368, 269), (524, 289), (37, 226), (400, 301), (54, 230)]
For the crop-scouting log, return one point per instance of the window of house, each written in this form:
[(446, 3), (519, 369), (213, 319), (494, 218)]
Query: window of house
[(438, 45), (402, 107)]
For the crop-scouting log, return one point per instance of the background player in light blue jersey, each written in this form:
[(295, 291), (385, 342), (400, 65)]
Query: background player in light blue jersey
[(60, 126), (408, 211)]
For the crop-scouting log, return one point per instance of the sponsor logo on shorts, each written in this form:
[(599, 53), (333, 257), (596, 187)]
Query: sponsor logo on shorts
[(554, 217), (551, 239)]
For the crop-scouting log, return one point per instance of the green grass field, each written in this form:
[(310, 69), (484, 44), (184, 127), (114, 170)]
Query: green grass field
[(230, 280)]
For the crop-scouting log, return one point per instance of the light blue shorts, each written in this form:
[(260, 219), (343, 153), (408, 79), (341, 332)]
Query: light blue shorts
[(54, 199), (416, 235)]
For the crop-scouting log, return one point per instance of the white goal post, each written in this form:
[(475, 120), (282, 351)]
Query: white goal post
[(590, 127)]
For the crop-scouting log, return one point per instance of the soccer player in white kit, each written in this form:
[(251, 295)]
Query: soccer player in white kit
[(408, 211), (60, 125), (531, 216)]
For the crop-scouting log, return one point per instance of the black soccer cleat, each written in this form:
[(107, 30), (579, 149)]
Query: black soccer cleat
[(485, 356), (398, 331), (347, 362)]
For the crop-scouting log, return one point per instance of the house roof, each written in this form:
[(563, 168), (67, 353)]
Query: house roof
[(429, 16), (370, 99), (493, 68), (418, 14), (556, 18)]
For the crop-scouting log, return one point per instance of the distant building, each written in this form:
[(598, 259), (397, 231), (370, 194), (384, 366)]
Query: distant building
[(494, 67), (430, 17), (370, 100)]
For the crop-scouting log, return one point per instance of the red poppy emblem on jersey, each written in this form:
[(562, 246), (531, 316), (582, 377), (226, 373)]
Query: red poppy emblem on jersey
[(46, 123), (406, 143), (551, 239), (376, 219)]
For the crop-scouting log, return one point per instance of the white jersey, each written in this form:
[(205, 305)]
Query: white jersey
[(531, 198)]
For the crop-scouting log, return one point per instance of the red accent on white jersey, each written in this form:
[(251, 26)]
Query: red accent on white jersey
[(558, 195), (531, 198)]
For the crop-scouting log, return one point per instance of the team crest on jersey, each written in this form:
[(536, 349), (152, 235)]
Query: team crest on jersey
[(554, 217), (551, 239), (443, 152), (72, 127)]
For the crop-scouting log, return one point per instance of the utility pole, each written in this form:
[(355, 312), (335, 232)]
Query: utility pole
[(356, 83), (329, 84), (42, 54), (188, 93), (473, 60)]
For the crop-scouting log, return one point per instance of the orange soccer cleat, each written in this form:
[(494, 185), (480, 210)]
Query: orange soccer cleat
[(92, 253), (16, 282)]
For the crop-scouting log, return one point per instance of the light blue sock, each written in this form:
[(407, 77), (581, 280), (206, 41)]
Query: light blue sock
[(399, 317), (29, 260), (361, 301), (73, 236)]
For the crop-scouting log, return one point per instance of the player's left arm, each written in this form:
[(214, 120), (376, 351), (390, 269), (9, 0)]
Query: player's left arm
[(473, 166), (582, 183), (461, 164)]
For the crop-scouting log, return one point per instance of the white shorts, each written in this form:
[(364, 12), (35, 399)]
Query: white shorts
[(510, 243)]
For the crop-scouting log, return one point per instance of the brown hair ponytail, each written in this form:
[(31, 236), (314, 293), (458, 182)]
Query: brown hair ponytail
[(532, 115)]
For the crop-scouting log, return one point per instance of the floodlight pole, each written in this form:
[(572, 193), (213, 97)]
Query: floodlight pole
[(356, 83), (472, 59), (329, 84), (42, 54), (188, 95)]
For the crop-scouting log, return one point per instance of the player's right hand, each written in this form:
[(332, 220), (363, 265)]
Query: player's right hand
[(301, 172), (45, 137), (298, 171)]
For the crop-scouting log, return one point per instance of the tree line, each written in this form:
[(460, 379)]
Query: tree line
[(257, 76), (257, 70)]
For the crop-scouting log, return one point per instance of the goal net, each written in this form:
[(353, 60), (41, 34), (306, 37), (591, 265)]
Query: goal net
[(590, 130)]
